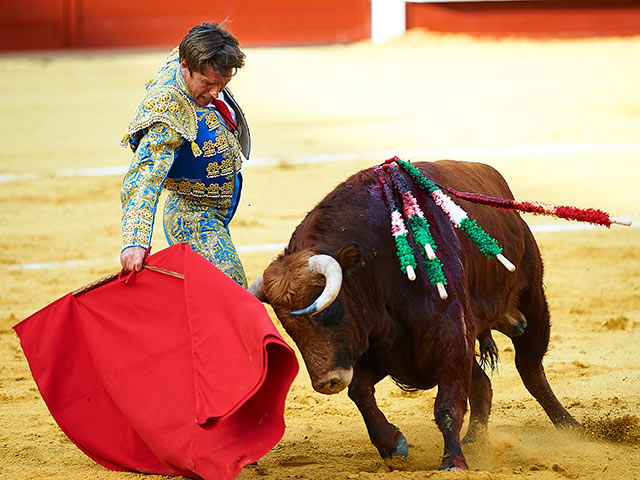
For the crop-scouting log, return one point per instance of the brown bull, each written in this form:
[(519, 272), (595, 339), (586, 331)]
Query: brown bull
[(340, 293)]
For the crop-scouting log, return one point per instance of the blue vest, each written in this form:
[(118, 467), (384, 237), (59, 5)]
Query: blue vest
[(214, 171)]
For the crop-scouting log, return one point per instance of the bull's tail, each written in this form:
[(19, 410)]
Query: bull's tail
[(489, 356)]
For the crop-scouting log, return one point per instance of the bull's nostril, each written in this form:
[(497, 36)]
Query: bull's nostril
[(333, 385), (335, 381)]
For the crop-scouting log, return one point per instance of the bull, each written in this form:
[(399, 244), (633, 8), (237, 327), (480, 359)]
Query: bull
[(339, 293)]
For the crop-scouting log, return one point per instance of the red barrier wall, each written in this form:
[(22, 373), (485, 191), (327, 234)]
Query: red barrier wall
[(551, 18), (55, 24), (50, 24), (30, 24)]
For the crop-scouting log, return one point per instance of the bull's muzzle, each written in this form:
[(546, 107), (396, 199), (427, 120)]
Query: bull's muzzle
[(334, 381)]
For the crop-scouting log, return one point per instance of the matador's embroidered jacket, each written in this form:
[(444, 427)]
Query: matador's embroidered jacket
[(190, 151)]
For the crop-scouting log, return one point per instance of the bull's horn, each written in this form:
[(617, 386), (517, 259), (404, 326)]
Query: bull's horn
[(257, 289), (329, 267)]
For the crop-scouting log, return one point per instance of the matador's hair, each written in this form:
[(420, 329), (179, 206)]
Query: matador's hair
[(210, 44)]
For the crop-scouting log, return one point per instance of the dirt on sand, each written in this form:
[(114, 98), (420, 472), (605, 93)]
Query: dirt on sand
[(559, 119)]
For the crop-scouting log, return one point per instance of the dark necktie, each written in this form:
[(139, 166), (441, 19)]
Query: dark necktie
[(226, 114)]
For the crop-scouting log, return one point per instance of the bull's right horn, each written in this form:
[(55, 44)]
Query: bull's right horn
[(329, 267)]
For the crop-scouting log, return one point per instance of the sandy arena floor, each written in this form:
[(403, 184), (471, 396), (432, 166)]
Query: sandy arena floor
[(430, 96)]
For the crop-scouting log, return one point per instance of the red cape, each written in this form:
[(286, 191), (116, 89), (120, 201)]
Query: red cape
[(161, 374)]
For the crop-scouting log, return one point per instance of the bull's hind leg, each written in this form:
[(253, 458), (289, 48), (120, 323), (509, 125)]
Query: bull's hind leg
[(530, 348), (385, 437), (480, 398)]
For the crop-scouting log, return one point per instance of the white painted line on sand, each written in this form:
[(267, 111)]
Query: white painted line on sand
[(65, 264), (264, 247)]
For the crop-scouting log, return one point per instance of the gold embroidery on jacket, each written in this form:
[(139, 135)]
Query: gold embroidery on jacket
[(212, 121), (199, 189)]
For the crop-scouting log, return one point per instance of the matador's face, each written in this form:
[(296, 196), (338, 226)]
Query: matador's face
[(204, 86)]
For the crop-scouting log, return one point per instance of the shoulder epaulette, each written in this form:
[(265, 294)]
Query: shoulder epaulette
[(164, 104)]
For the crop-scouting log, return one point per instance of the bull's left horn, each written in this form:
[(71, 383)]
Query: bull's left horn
[(329, 267)]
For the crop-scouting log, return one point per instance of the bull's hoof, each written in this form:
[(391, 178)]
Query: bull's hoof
[(399, 454), (454, 464), (402, 448), (475, 433), (453, 469), (398, 458), (569, 423), (469, 438)]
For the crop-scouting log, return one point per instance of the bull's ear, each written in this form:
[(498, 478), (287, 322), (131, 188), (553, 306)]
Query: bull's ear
[(348, 257)]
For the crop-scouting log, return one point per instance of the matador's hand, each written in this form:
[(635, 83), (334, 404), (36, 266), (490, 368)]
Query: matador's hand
[(132, 258)]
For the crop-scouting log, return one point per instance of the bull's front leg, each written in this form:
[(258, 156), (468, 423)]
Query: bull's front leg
[(385, 437), (454, 367), (449, 412)]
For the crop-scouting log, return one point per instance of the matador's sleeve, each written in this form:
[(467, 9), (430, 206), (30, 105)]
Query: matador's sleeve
[(143, 181)]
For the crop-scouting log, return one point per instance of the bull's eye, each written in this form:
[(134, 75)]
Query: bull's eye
[(332, 315)]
